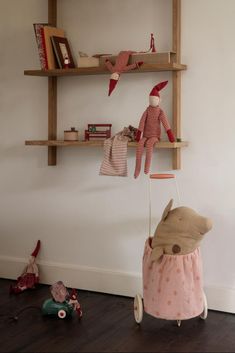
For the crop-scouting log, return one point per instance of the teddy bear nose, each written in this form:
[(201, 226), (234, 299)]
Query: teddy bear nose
[(176, 249)]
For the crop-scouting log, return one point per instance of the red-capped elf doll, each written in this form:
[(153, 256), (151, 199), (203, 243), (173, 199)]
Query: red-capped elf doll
[(150, 129), (73, 300), (121, 65), (30, 276)]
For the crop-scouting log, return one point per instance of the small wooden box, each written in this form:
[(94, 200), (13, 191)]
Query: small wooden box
[(71, 135), (87, 62)]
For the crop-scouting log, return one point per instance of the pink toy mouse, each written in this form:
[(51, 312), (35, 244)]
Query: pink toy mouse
[(150, 129)]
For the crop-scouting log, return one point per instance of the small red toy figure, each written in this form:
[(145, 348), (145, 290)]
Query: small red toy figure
[(30, 275), (152, 44), (73, 300), (62, 304)]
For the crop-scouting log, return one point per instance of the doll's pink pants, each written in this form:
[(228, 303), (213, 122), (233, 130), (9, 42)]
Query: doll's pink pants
[(173, 288), (148, 143)]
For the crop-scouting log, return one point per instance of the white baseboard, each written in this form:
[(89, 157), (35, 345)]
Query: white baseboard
[(82, 277), (105, 281), (221, 298)]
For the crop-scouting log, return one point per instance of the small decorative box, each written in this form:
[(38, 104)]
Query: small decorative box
[(87, 61), (98, 131), (71, 135)]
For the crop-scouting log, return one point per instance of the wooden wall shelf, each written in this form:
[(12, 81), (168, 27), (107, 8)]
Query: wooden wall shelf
[(52, 76), (103, 71), (61, 143)]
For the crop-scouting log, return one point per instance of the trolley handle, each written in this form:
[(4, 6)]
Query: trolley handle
[(160, 177)]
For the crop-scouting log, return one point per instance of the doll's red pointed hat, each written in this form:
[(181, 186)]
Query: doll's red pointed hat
[(112, 85), (36, 250), (73, 294), (157, 88)]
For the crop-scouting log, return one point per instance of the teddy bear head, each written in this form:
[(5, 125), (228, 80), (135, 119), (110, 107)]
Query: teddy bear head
[(179, 232)]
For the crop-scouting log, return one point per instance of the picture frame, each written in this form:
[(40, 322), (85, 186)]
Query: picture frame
[(62, 51)]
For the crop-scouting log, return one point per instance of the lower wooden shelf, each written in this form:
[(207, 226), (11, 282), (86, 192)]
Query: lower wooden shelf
[(62, 143), (52, 145)]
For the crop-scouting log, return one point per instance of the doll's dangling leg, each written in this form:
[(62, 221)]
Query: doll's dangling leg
[(149, 151), (139, 152)]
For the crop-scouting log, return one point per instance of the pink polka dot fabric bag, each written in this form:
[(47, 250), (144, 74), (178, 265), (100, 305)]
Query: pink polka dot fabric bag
[(173, 287)]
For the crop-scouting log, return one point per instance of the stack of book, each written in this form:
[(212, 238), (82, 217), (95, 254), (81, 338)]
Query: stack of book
[(53, 47)]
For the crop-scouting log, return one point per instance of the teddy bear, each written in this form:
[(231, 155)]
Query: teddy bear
[(179, 232)]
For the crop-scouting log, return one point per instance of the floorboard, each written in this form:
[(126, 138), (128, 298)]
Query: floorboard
[(107, 326)]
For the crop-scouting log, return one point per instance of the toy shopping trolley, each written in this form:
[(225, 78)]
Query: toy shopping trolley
[(172, 266)]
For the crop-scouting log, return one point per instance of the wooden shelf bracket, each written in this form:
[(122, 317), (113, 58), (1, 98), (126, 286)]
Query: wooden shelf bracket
[(52, 93), (176, 80)]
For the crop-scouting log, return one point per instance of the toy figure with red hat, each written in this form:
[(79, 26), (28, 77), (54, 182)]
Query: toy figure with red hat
[(30, 276), (62, 304), (121, 65), (73, 300), (150, 129)]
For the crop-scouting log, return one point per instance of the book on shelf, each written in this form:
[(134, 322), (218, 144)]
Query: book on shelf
[(48, 32), (62, 52), (38, 30)]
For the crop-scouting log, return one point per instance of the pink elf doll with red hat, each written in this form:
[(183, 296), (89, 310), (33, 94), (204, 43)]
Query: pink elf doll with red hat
[(150, 129), (121, 65), (30, 276)]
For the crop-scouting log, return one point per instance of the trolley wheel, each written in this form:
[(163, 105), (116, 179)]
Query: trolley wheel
[(138, 309), (62, 314), (179, 323), (204, 314)]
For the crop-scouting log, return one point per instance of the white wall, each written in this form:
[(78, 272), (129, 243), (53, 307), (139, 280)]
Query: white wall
[(93, 228)]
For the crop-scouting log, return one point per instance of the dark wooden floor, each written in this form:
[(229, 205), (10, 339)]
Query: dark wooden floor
[(107, 326)]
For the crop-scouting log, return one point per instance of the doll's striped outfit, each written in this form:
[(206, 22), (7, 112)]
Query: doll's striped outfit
[(121, 64), (150, 126)]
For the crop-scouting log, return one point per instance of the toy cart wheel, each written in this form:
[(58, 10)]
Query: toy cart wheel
[(138, 308), (204, 314), (179, 323), (62, 314)]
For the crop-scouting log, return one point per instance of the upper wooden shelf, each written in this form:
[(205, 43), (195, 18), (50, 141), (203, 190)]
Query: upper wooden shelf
[(103, 71), (95, 143)]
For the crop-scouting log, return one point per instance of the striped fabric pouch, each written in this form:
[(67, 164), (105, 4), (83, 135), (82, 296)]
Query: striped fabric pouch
[(115, 156)]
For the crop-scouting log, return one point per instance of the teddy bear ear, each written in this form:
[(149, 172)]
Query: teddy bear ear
[(167, 210)]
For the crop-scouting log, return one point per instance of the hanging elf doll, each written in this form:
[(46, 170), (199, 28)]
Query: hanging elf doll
[(150, 129), (121, 65)]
